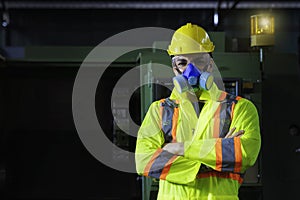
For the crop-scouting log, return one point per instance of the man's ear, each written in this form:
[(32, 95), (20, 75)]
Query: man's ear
[(211, 65)]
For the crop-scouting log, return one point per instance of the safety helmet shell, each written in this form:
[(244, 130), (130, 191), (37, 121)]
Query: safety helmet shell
[(189, 39)]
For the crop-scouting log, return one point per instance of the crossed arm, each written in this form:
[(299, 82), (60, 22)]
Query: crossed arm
[(178, 147)]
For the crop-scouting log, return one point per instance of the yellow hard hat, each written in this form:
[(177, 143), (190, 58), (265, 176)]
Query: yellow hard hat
[(188, 39)]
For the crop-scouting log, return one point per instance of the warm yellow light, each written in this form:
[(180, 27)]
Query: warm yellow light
[(262, 30)]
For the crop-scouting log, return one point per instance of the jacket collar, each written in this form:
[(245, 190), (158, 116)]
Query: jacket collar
[(214, 94)]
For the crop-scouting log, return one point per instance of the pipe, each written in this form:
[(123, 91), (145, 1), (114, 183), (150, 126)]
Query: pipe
[(150, 4)]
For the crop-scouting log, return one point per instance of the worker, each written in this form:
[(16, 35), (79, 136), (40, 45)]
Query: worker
[(200, 141)]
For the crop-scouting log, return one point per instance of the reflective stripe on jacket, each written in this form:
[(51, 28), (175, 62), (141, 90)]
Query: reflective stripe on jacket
[(180, 176)]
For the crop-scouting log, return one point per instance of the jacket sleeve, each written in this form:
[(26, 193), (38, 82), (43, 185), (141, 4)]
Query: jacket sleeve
[(231, 154), (151, 160)]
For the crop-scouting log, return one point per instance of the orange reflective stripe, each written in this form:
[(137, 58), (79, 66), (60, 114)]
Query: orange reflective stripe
[(217, 122), (233, 176), (238, 154), (150, 163), (169, 113), (174, 123), (167, 168), (222, 96), (218, 147)]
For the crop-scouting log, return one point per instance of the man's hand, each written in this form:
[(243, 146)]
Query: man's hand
[(175, 148), (236, 134)]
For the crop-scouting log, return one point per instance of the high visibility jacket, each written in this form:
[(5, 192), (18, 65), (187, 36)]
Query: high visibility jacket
[(212, 166)]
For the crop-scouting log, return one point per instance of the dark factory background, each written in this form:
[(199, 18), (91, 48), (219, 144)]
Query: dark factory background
[(42, 45)]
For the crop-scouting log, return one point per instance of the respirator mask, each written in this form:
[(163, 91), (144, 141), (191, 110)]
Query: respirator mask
[(192, 73)]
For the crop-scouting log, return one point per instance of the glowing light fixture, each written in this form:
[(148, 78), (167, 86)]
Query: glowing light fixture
[(262, 30), (216, 18)]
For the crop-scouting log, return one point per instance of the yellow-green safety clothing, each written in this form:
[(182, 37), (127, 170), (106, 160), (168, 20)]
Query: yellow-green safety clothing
[(227, 158)]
